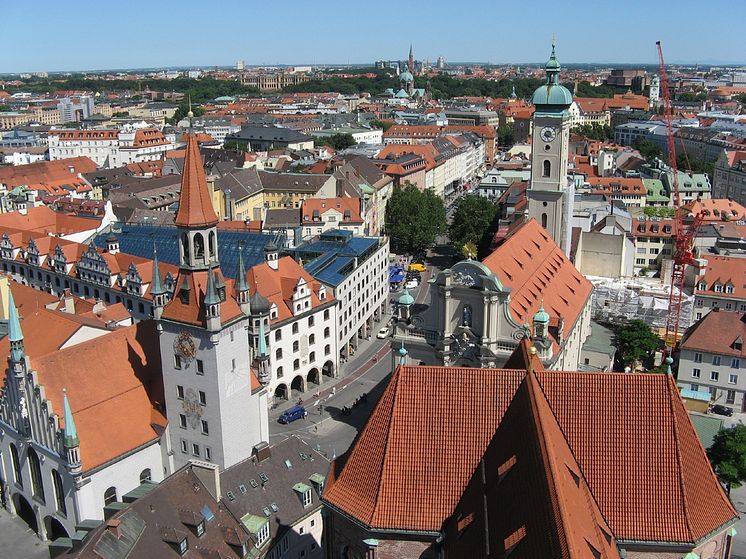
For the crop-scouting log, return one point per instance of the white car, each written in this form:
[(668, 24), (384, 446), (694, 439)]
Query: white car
[(412, 284), (383, 333)]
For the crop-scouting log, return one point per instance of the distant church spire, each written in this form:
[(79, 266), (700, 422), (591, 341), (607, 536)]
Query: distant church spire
[(15, 334), (411, 59)]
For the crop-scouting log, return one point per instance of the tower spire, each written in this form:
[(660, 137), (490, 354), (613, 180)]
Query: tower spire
[(195, 204), (71, 432), (15, 334), (157, 287)]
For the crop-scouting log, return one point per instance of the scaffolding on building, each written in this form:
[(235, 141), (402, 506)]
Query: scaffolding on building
[(646, 299)]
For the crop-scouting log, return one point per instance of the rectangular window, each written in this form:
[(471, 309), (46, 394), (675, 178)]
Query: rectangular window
[(716, 360), (714, 375), (730, 396), (183, 446), (202, 398), (200, 367), (694, 387), (698, 358), (307, 498), (182, 421), (205, 429), (208, 453), (177, 362), (195, 449), (695, 373), (180, 392), (732, 379), (735, 363)]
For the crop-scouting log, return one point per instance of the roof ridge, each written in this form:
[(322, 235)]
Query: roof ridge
[(682, 484)]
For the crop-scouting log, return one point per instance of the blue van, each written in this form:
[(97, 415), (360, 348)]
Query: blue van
[(292, 414)]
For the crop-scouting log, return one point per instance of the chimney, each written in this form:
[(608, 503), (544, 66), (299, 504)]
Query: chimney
[(209, 475), (261, 451), (68, 303), (113, 527)]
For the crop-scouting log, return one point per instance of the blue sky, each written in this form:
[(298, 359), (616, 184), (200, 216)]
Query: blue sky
[(56, 35)]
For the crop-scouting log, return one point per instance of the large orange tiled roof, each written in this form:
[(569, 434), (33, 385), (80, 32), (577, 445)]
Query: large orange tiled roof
[(718, 333), (531, 264), (340, 205), (644, 462), (118, 415), (193, 310), (528, 494), (46, 221), (195, 204), (45, 171), (629, 435), (716, 209)]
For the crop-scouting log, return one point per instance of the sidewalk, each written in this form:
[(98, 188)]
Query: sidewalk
[(353, 369)]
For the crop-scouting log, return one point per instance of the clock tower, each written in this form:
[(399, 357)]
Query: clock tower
[(550, 198), (215, 405)]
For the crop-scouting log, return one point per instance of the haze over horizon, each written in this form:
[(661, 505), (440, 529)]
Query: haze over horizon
[(181, 34)]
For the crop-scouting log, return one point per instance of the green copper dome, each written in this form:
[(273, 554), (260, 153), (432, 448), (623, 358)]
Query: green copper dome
[(552, 94), (542, 316), (406, 298), (406, 75)]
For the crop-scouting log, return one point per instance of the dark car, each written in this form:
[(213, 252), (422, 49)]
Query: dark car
[(722, 410)]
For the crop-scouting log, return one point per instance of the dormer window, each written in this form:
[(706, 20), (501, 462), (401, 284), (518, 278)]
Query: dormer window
[(718, 288), (729, 289), (183, 546), (702, 286), (304, 492)]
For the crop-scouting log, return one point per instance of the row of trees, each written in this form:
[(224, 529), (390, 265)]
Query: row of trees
[(414, 218), (200, 89), (595, 132)]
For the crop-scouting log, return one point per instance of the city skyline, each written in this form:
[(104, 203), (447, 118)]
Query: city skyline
[(186, 37)]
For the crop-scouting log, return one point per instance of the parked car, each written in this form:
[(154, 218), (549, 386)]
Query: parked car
[(383, 333), (412, 284), (417, 267), (294, 413), (722, 410)]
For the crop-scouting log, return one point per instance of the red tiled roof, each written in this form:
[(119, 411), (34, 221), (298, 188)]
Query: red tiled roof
[(629, 434), (717, 332), (723, 271), (339, 205), (195, 204), (192, 310), (716, 209), (46, 221), (45, 171), (617, 185), (116, 416), (531, 264)]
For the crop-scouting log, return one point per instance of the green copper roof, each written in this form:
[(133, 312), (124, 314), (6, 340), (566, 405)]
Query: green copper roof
[(301, 487), (406, 75), (241, 284), (71, 433), (253, 523), (211, 297), (15, 334), (542, 316), (157, 287), (552, 93), (405, 298)]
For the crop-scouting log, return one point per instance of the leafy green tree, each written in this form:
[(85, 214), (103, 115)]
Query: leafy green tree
[(120, 114), (337, 141), (381, 124), (5, 109), (182, 110), (636, 343), (233, 145), (472, 222), (413, 219), (728, 456), (505, 135), (649, 150), (595, 131)]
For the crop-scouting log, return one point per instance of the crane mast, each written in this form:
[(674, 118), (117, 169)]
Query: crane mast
[(683, 233)]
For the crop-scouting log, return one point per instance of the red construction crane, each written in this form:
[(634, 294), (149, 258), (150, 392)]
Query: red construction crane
[(683, 232)]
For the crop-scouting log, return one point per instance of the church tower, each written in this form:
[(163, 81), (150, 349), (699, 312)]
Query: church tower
[(216, 408), (410, 61), (549, 198)]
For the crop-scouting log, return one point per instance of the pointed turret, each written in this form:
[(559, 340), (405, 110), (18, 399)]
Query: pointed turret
[(72, 443), (195, 204), (157, 289), (212, 303), (262, 355), (15, 334), (242, 286)]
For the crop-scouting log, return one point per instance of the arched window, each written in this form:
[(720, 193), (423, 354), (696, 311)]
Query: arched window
[(547, 168), (199, 246), (36, 481), (145, 475), (59, 492), (544, 220), (213, 249), (185, 247), (110, 496), (16, 465)]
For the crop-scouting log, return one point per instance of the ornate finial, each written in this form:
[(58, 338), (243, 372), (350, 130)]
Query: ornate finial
[(190, 114), (554, 42)]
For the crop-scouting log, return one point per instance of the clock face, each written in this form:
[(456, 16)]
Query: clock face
[(184, 346), (548, 133)]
